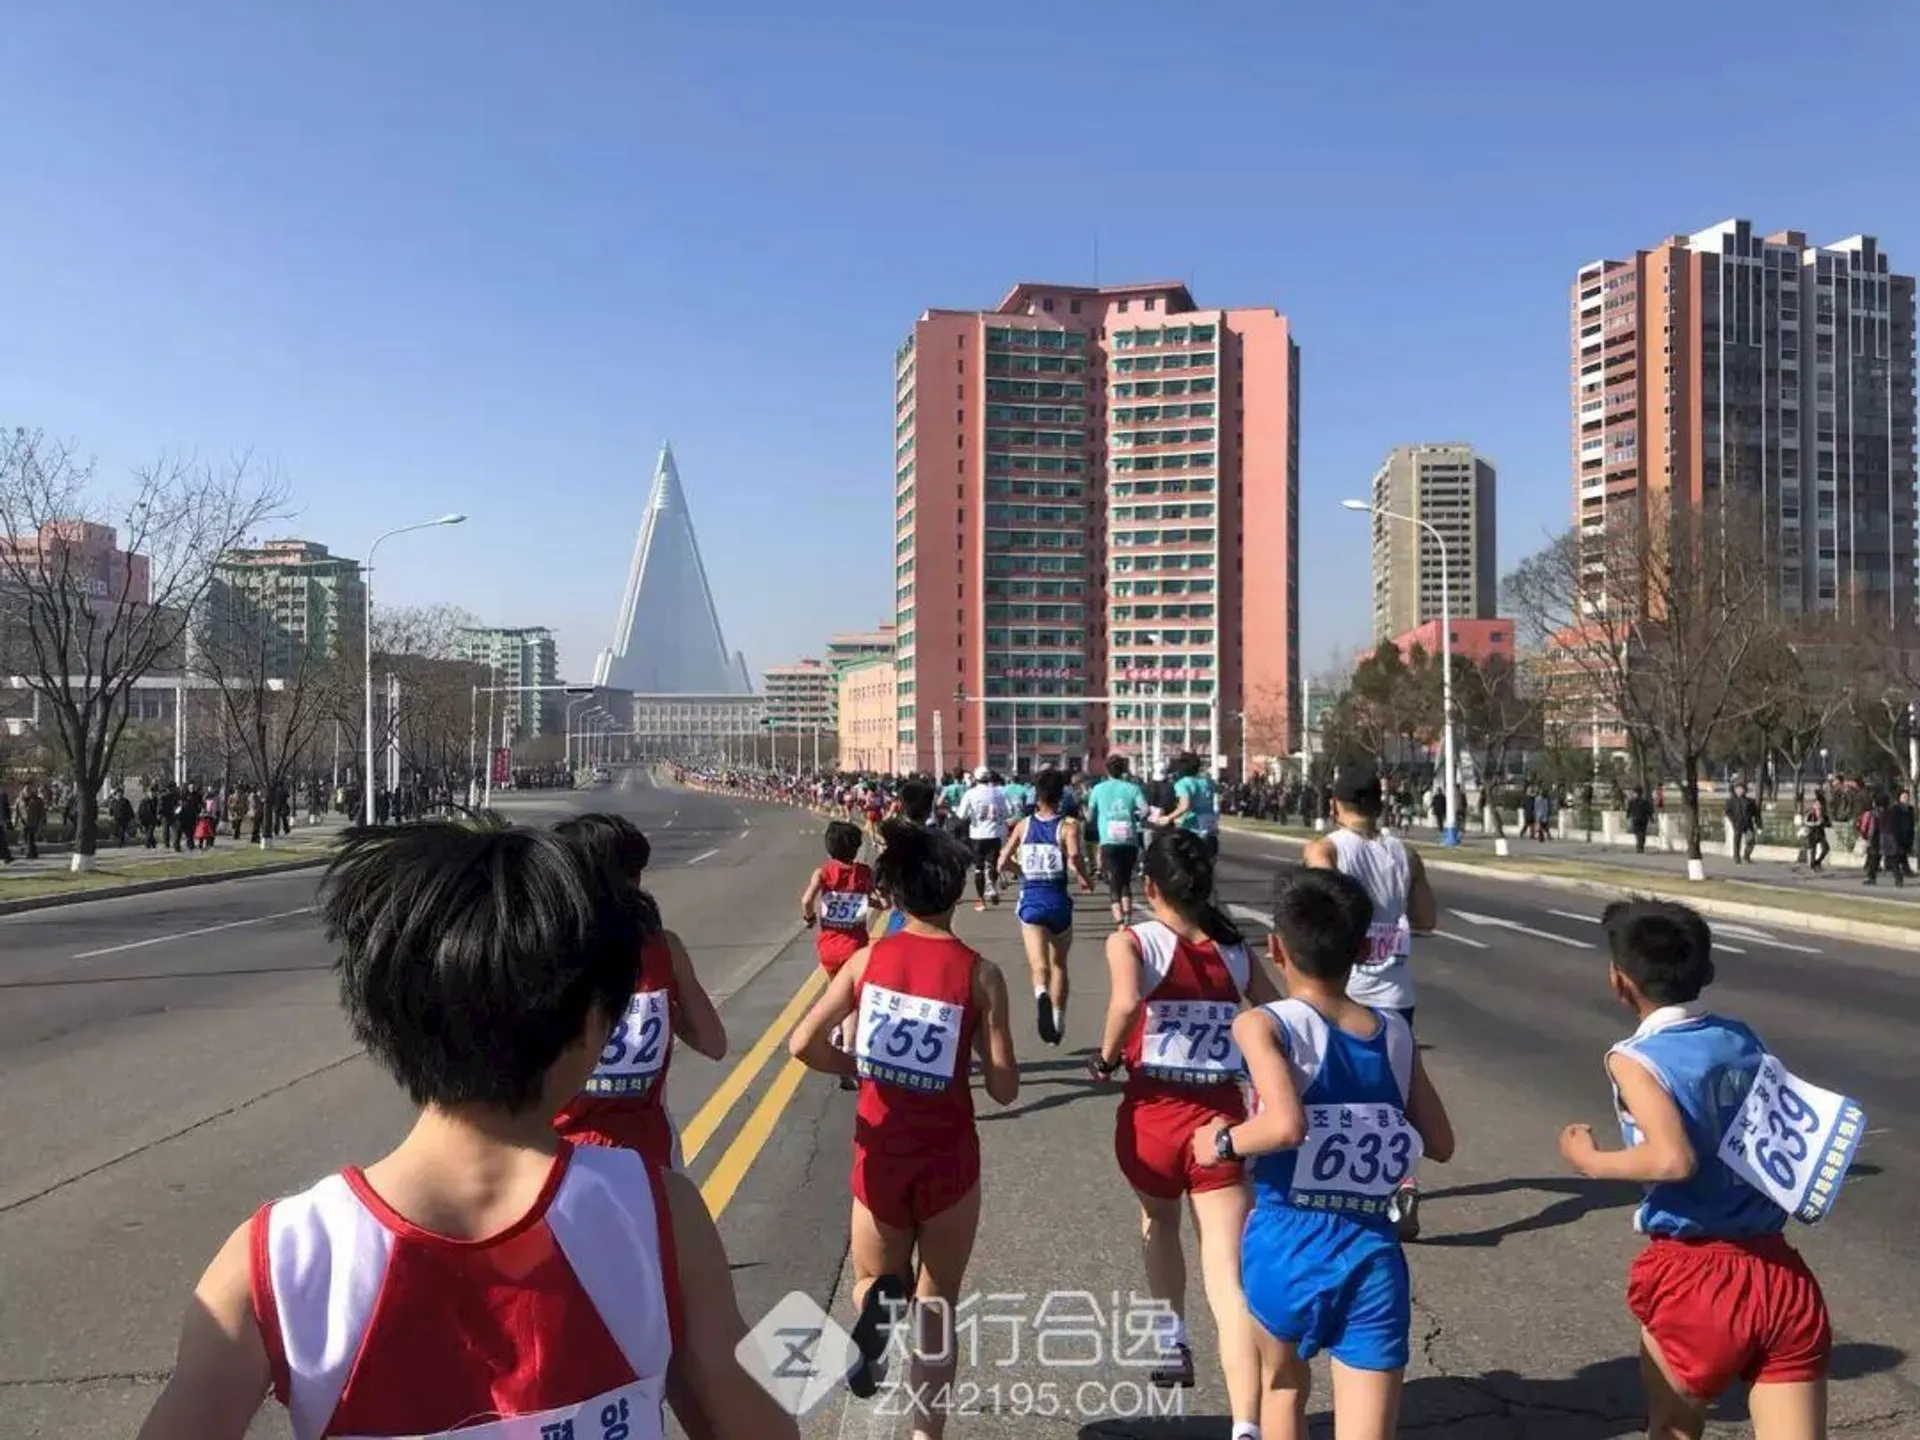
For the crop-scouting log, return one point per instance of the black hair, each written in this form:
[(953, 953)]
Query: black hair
[(470, 960), (844, 841), (1048, 786), (1665, 948), (610, 840), (920, 871), (1117, 766), (916, 799), (1322, 918), (1181, 868)]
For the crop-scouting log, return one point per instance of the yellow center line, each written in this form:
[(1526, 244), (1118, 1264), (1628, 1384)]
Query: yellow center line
[(707, 1118), (734, 1162)]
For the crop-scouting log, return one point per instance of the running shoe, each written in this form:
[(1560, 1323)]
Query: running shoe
[(886, 1303), (1176, 1373), (1043, 1019), (1404, 1211)]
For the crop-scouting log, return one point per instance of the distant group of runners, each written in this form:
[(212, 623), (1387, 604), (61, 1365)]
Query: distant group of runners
[(529, 1264)]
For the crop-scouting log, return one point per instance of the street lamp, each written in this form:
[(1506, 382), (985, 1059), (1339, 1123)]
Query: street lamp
[(571, 705), (366, 571), (1450, 835)]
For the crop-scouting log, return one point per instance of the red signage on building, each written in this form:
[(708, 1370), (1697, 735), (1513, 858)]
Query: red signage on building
[(503, 766)]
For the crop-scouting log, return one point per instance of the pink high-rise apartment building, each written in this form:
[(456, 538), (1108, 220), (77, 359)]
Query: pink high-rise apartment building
[(1096, 530)]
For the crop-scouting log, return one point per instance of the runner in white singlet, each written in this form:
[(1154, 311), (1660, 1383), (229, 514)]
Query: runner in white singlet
[(1403, 904)]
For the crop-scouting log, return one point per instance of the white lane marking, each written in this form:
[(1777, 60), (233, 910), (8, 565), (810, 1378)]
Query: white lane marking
[(703, 855), (1718, 943), (1458, 939), (1473, 918), (190, 934), (1759, 936), (1883, 1130)]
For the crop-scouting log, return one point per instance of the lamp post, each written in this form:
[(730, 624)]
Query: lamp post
[(366, 573), (571, 706), (1451, 835)]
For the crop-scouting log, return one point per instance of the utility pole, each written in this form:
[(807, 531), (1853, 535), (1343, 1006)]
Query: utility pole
[(939, 747)]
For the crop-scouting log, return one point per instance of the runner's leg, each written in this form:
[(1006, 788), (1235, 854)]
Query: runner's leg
[(1366, 1403), (1057, 980), (1166, 1267), (1671, 1413), (1219, 1216), (946, 1248), (1285, 1383), (1034, 939), (1796, 1411)]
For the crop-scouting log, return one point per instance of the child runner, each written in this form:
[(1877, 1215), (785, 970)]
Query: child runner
[(1177, 983), (1345, 1108), (925, 1003), (1047, 844), (624, 1102), (486, 1278), (1719, 1293), (1118, 808), (837, 898)]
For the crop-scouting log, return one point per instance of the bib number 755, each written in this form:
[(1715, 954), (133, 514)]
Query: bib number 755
[(897, 1038)]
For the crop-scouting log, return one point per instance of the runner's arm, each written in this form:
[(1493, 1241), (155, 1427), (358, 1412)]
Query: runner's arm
[(1423, 911), (1008, 850), (1664, 1152), (695, 1020), (993, 1040), (221, 1374), (811, 1042), (1282, 1121), (1123, 996), (711, 1396), (1319, 854), (810, 896), (1262, 988), (1427, 1113), (1076, 852)]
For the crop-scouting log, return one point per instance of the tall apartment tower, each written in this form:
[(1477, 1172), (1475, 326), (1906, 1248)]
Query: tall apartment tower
[(519, 657), (1095, 529), (1452, 489), (1726, 360), (312, 602)]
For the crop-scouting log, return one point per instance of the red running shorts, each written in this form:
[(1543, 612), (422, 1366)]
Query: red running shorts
[(904, 1192), (1726, 1310), (1153, 1141)]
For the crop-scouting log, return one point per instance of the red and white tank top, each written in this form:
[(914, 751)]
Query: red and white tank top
[(912, 1047), (1182, 1045), (844, 890), (624, 1100), (563, 1324)]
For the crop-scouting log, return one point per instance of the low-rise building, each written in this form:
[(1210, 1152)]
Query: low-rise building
[(1475, 640), (868, 715)]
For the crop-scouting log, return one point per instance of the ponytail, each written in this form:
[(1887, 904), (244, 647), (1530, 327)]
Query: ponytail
[(1181, 868)]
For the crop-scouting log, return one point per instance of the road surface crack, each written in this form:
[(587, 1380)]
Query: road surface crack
[(168, 1138), (1498, 1404), (112, 1377)]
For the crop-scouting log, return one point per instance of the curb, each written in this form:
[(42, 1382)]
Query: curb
[(1898, 937), (155, 887)]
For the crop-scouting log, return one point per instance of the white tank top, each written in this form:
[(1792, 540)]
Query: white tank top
[(1384, 981)]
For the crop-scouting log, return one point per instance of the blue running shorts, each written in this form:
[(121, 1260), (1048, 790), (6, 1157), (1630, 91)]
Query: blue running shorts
[(1328, 1282), (1051, 912)]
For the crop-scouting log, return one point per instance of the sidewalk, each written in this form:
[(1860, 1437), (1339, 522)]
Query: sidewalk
[(133, 869)]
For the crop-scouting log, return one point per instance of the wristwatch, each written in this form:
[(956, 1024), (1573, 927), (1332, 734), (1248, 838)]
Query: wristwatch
[(1223, 1143)]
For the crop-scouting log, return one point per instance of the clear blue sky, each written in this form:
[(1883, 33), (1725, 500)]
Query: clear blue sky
[(434, 254)]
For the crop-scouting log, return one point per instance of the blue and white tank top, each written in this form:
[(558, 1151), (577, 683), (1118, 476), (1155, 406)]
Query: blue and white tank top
[(1359, 1145), (1043, 859), (1708, 1064)]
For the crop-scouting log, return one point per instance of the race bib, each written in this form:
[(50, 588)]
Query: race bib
[(1119, 832), (1388, 941), (842, 909), (636, 1052), (1793, 1141), (1190, 1042), (1353, 1159), (906, 1041), (617, 1415), (1043, 862)]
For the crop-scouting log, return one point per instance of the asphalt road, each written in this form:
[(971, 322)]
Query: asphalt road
[(160, 1083)]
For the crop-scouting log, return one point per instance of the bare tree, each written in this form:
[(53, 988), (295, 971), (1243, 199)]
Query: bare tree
[(275, 691), (405, 639), (1883, 668), (1655, 615), (1496, 713), (84, 635)]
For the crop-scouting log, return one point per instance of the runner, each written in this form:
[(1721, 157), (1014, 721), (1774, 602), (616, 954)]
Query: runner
[(624, 1100), (379, 1302), (1118, 808), (837, 898), (1344, 1109), (1725, 1142), (925, 1003), (1403, 905), (917, 803), (1176, 983), (1195, 805), (985, 810), (1047, 846)]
